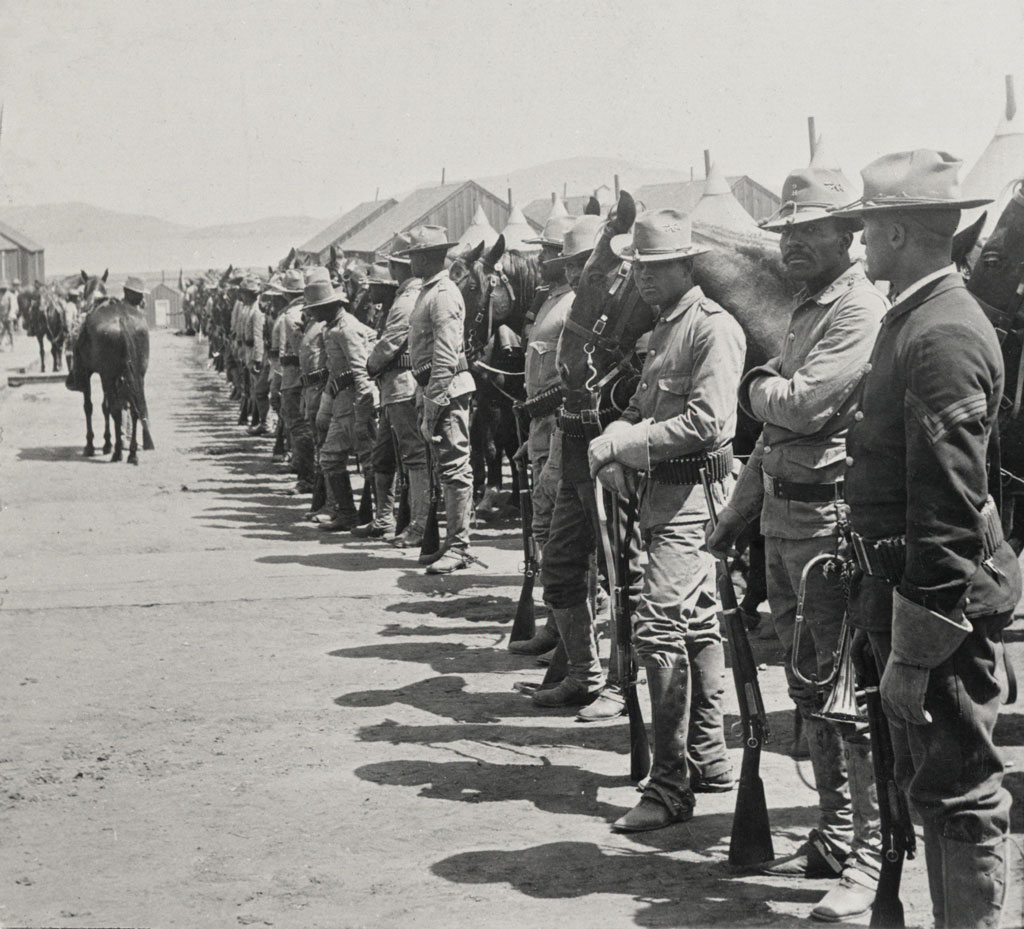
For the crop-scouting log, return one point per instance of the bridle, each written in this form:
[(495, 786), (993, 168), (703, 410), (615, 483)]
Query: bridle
[(485, 311)]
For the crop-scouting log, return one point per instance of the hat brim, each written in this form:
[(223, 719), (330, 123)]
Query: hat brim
[(135, 290), (863, 207), (802, 216), (439, 247), (560, 261), (337, 297), (541, 240), (622, 247)]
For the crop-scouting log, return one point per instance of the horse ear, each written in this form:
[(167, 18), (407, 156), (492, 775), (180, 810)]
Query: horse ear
[(85, 278), (474, 255), (621, 218), (593, 207), (334, 254), (965, 240), (494, 255), (105, 273)]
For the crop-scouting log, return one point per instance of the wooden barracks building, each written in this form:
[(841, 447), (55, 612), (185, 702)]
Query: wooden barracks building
[(20, 258)]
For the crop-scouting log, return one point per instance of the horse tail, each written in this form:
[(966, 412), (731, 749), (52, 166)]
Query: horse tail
[(134, 383)]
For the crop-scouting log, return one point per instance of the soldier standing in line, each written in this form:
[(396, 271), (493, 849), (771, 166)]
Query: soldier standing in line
[(543, 445), (285, 290), (680, 420), (248, 300), (292, 409), (318, 305), (806, 398), (436, 332), (937, 583)]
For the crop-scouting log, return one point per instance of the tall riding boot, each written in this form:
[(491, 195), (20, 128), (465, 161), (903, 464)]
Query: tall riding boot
[(383, 521), (933, 862), (710, 768), (667, 797), (345, 515), (583, 672), (544, 639), (458, 506), (319, 500), (974, 883), (827, 847), (855, 892), (419, 506)]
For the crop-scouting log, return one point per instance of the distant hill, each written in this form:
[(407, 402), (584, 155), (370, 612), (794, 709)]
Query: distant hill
[(80, 235)]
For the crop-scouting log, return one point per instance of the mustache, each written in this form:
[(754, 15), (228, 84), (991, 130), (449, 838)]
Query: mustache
[(795, 253)]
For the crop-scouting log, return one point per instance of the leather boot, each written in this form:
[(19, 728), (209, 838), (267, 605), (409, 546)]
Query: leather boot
[(824, 853), (458, 503), (384, 521), (610, 703), (419, 504), (319, 495), (667, 798), (327, 511), (544, 639), (973, 883), (558, 665), (583, 673), (345, 516), (933, 862), (709, 758)]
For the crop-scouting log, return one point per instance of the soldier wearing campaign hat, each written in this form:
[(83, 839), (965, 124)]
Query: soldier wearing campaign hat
[(300, 432), (680, 420), (806, 399), (936, 582), (282, 291)]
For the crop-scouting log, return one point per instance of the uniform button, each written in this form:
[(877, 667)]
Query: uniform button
[(859, 415), (792, 336), (652, 352), (867, 367), (643, 386), (767, 449), (849, 461)]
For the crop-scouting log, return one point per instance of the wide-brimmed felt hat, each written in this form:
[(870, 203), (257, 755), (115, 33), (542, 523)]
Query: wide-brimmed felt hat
[(658, 235), (288, 283), (580, 239), (136, 285), (426, 239), (381, 276), (923, 179), (553, 232), (811, 194), (319, 291), (398, 246), (251, 283)]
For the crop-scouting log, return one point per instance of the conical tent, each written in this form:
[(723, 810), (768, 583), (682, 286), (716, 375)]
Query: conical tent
[(1000, 165), (480, 230), (557, 210), (517, 229), (719, 207)]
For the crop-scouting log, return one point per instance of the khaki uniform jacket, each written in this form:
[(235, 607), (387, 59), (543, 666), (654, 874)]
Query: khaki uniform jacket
[(685, 403), (807, 399), (276, 339), (254, 334), (396, 384), (312, 349), (291, 340), (436, 327), (541, 372), (347, 343)]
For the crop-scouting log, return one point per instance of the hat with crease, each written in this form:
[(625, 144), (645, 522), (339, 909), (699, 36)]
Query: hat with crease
[(291, 282), (135, 285), (553, 232), (658, 235), (923, 179), (426, 239), (808, 195), (319, 291), (580, 239)]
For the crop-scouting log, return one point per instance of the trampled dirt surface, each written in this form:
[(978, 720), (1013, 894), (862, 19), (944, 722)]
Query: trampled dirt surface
[(215, 716)]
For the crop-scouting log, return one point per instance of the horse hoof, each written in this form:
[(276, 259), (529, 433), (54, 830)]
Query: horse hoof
[(107, 448), (133, 459), (89, 451), (115, 457)]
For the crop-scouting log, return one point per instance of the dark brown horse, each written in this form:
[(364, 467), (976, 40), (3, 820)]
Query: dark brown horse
[(45, 320), (113, 343)]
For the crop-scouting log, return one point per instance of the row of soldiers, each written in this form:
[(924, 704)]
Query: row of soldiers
[(876, 416)]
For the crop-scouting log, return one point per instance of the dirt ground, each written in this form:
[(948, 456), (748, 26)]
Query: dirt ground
[(214, 715)]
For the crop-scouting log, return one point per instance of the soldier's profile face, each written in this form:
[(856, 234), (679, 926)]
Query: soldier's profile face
[(878, 253), (574, 270), (814, 251), (662, 283)]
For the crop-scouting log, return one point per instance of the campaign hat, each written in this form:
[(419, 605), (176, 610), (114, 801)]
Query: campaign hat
[(658, 235)]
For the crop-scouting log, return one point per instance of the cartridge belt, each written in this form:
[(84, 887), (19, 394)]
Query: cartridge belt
[(289, 361), (273, 353), (315, 378), (545, 402), (804, 492), (249, 342), (686, 470), (886, 558), (586, 424), (422, 373), (339, 383)]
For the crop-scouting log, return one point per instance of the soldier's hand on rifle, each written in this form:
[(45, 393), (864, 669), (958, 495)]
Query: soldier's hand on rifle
[(523, 453), (618, 479), (903, 691), (721, 539)]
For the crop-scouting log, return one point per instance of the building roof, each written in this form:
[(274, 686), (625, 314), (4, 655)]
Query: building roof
[(19, 238), (407, 213), (684, 195), (344, 225)]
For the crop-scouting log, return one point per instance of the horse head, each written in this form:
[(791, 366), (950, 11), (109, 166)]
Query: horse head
[(607, 316), (999, 270), (94, 289)]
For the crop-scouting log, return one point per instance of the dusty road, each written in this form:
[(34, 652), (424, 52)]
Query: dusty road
[(213, 716)]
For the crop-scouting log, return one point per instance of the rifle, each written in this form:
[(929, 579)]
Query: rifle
[(431, 543), (402, 514), (525, 623), (898, 839), (616, 556), (366, 500), (750, 842)]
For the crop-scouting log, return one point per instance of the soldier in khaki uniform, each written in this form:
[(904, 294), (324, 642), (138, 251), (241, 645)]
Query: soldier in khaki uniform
[(247, 306), (438, 358), (259, 370), (543, 444), (318, 305), (285, 290), (681, 419), (299, 431), (806, 398)]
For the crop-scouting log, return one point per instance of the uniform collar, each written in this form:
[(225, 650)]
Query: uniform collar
[(692, 296), (409, 283), (923, 290), (832, 292), (908, 292), (559, 290), (431, 281)]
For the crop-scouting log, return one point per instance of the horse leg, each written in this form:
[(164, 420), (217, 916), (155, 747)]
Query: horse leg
[(42, 354), (115, 412), (106, 426), (87, 407), (133, 445)]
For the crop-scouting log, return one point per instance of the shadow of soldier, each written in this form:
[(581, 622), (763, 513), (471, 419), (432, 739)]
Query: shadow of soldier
[(473, 608), (673, 891), (442, 657), (397, 630)]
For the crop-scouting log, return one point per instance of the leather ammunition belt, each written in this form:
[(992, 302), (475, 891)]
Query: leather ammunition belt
[(586, 424), (545, 402), (249, 342), (273, 353), (289, 361), (343, 380), (803, 492), (886, 558), (316, 378), (403, 362), (422, 373), (686, 470)]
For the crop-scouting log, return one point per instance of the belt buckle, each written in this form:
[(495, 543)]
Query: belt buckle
[(860, 551), (589, 417)]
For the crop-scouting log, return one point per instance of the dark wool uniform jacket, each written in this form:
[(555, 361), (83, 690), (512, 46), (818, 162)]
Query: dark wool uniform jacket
[(917, 457)]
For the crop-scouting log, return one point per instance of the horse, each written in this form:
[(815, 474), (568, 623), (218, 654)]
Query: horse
[(46, 320), (114, 343), (996, 281), (498, 289)]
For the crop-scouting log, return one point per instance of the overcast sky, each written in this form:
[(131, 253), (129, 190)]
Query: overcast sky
[(207, 112)]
